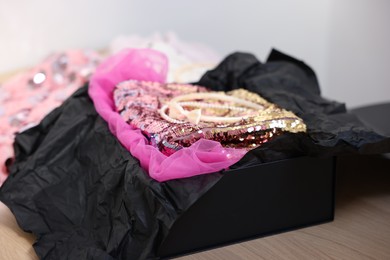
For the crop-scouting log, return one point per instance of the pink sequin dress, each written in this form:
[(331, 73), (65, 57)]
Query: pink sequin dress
[(28, 97)]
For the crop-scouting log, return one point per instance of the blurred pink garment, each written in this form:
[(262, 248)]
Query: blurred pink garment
[(204, 156), (188, 61), (28, 97)]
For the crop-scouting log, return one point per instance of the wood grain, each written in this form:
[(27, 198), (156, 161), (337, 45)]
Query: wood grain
[(14, 243)]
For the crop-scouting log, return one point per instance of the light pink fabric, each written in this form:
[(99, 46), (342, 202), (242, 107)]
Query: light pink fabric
[(188, 61), (204, 156), (28, 97)]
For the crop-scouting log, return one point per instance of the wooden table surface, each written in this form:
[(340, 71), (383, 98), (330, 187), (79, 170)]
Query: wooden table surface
[(361, 229)]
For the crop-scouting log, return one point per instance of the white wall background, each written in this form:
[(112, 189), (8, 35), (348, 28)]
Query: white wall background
[(345, 41)]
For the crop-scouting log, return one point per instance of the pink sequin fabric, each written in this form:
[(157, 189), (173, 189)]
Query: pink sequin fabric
[(139, 102), (28, 97)]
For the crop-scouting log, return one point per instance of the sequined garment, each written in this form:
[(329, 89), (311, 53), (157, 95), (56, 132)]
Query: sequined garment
[(29, 96), (138, 103)]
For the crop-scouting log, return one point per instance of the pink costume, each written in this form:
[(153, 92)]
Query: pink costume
[(204, 156), (28, 97), (132, 83)]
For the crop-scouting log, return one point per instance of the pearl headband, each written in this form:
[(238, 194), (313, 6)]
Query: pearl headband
[(176, 110)]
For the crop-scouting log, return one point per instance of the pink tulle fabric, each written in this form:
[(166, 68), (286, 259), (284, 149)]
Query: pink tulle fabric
[(29, 96), (204, 156)]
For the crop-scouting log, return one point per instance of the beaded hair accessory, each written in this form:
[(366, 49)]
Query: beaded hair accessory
[(173, 116), (177, 111)]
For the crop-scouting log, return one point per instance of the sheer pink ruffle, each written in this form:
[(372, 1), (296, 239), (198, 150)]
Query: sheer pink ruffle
[(204, 156)]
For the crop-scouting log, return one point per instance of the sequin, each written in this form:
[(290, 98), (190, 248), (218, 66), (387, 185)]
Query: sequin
[(138, 103), (39, 78)]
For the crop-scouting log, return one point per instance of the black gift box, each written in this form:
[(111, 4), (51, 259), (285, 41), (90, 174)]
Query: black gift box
[(264, 199), (256, 201)]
